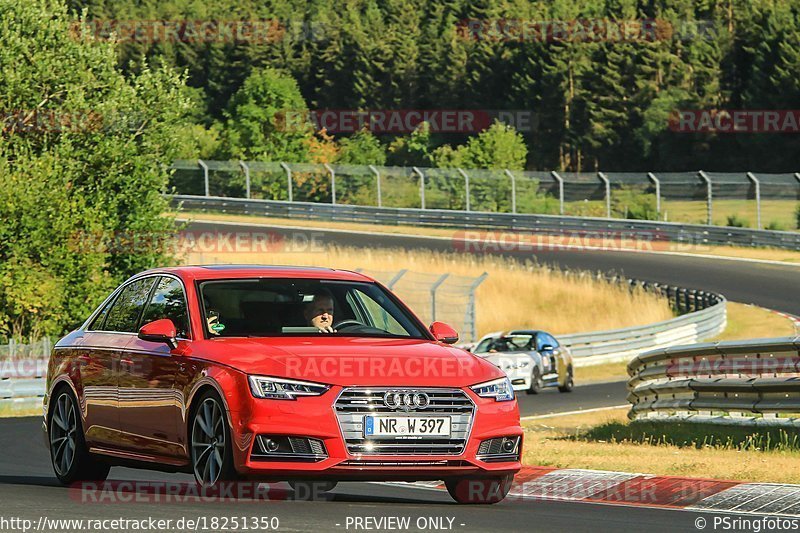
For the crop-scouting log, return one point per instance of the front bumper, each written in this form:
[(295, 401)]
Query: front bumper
[(315, 417)]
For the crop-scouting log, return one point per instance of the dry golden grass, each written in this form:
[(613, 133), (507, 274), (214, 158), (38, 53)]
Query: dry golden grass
[(514, 295), (547, 444), (769, 254), (744, 322)]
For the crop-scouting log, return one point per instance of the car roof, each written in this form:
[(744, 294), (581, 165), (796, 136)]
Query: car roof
[(205, 272)]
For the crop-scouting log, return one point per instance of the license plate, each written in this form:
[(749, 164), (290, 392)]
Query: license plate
[(406, 426)]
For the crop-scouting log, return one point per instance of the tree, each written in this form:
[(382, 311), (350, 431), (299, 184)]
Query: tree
[(84, 154), (267, 119), (361, 148)]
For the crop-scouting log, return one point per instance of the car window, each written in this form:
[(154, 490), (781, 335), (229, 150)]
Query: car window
[(168, 301), (97, 323), (511, 343), (124, 314), (255, 307), (376, 315), (544, 339)]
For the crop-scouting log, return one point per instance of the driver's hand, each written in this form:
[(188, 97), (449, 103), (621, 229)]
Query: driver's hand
[(327, 329)]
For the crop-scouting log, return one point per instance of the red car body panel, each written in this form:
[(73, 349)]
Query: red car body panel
[(136, 396)]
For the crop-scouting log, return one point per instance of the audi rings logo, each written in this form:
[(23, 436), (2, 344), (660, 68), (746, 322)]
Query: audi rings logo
[(406, 400)]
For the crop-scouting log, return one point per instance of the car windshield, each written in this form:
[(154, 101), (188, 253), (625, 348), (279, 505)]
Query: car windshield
[(276, 307), (514, 343)]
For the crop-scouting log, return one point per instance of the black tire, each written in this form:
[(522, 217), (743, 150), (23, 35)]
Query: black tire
[(69, 454), (536, 381), (486, 490), (211, 450), (312, 490), (569, 384)]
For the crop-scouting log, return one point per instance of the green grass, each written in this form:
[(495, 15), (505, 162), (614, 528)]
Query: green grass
[(694, 435), (9, 411), (781, 212)]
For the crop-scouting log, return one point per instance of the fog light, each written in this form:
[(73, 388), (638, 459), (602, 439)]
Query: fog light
[(270, 445), (509, 445)]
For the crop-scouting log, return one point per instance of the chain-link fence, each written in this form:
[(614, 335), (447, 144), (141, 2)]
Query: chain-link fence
[(745, 199), (444, 297), (33, 350)]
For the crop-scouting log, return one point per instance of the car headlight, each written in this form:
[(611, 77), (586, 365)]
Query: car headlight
[(500, 389), (284, 389)]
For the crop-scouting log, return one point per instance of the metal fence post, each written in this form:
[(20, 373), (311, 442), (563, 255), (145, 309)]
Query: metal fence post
[(560, 191), (419, 173), (466, 185), (434, 288), (246, 170), (513, 191), (657, 183), (607, 184), (471, 319), (205, 175), (396, 278), (709, 200), (288, 179), (757, 184), (333, 182), (378, 183)]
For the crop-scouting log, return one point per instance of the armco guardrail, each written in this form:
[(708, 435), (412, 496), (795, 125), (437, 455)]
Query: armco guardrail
[(22, 381), (705, 317), (751, 382), (640, 230)]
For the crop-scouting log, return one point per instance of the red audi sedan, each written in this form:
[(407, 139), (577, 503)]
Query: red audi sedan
[(307, 375)]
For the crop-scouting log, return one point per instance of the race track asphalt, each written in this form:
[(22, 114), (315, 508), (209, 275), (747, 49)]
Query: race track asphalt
[(28, 490)]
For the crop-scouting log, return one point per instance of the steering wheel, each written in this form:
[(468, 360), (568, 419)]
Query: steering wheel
[(349, 323)]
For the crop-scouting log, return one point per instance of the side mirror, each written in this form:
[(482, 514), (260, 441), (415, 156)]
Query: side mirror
[(444, 333), (162, 330)]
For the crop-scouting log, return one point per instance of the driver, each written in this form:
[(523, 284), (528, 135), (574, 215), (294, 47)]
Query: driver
[(319, 311)]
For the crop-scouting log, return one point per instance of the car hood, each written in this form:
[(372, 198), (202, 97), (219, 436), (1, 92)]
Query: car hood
[(350, 361)]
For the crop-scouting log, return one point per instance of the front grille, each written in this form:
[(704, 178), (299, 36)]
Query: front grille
[(354, 403)]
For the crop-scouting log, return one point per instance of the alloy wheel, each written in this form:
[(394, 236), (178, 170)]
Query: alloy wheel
[(63, 428), (208, 442)]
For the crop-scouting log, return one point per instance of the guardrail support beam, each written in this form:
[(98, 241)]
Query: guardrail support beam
[(752, 177), (709, 195), (560, 181), (377, 183), (288, 179), (607, 185), (205, 176), (466, 186), (657, 182)]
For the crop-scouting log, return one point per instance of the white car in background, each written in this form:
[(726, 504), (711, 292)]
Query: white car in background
[(532, 359)]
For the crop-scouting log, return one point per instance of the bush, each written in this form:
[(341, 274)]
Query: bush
[(632, 203), (735, 221), (774, 225)]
